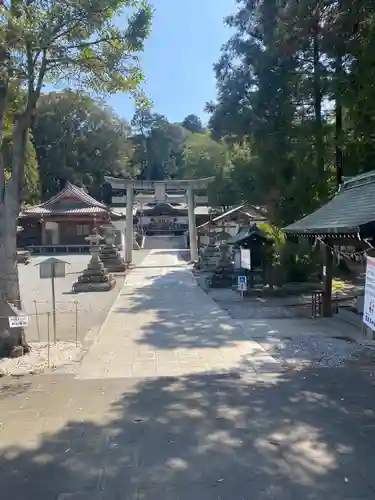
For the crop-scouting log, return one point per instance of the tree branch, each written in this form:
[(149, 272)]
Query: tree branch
[(96, 42)]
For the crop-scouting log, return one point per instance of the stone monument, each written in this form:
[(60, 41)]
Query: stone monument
[(223, 275), (95, 278), (109, 254), (210, 254)]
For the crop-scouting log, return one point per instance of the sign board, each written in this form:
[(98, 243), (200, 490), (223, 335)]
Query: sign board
[(18, 321), (52, 268), (242, 283), (245, 258), (369, 306)]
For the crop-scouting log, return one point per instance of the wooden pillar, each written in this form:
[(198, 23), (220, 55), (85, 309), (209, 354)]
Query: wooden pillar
[(327, 279)]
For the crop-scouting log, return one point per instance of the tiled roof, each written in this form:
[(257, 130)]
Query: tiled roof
[(352, 208), (251, 212), (76, 192), (73, 211), (51, 206), (121, 211)]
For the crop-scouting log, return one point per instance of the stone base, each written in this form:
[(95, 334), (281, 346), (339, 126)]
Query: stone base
[(112, 260), (114, 265), (103, 286)]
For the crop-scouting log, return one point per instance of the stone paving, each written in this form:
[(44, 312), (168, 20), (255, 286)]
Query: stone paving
[(163, 324)]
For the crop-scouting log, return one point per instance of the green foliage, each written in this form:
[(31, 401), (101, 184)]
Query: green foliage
[(295, 85), (292, 262), (194, 124), (46, 41), (77, 42), (31, 188), (158, 145), (204, 157), (79, 140)]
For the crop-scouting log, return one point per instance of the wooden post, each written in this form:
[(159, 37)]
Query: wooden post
[(327, 280)]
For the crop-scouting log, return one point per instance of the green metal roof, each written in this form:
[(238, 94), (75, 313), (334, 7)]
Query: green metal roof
[(352, 207)]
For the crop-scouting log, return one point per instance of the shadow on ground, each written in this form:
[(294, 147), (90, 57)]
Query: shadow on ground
[(308, 435), (181, 314)]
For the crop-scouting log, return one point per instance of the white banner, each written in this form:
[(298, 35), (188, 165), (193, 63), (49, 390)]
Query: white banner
[(245, 258), (369, 305)]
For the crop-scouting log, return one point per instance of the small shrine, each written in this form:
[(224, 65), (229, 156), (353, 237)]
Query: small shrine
[(109, 254), (95, 278), (260, 245)]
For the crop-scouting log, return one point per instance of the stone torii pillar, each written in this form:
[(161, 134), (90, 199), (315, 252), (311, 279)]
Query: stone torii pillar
[(129, 223), (160, 188), (192, 225)]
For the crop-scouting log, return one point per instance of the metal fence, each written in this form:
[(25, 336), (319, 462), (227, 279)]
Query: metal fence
[(46, 324), (59, 324)]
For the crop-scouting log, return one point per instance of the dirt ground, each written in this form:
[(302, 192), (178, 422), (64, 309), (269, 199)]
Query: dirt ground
[(76, 314)]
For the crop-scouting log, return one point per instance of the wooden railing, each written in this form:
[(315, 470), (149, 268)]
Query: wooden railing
[(48, 249)]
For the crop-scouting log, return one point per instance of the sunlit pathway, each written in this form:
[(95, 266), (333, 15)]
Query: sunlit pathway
[(163, 324)]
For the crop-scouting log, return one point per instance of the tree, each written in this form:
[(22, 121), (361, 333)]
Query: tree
[(193, 124), (58, 40), (79, 140), (274, 77), (256, 76), (32, 180), (158, 145), (204, 157)]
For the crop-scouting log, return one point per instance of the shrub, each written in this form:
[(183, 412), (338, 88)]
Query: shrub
[(291, 261)]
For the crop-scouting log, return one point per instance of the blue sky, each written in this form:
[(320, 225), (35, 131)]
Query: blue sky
[(185, 42)]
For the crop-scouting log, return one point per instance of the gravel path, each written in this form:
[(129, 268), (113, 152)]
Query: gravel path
[(64, 355), (316, 351)]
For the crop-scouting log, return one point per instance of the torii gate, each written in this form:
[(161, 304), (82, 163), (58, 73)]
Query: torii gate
[(160, 188)]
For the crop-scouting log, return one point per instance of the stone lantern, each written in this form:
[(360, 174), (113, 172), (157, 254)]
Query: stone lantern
[(95, 278)]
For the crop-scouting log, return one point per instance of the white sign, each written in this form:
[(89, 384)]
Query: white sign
[(52, 268), (18, 321), (245, 258), (369, 306), (242, 283)]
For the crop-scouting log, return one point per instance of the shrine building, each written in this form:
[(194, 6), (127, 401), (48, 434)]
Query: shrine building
[(61, 224)]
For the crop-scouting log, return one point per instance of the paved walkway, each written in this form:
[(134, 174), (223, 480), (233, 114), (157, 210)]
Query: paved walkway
[(163, 324)]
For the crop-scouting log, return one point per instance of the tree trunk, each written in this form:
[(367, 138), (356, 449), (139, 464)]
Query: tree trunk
[(319, 143), (339, 76), (10, 302), (338, 121)]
